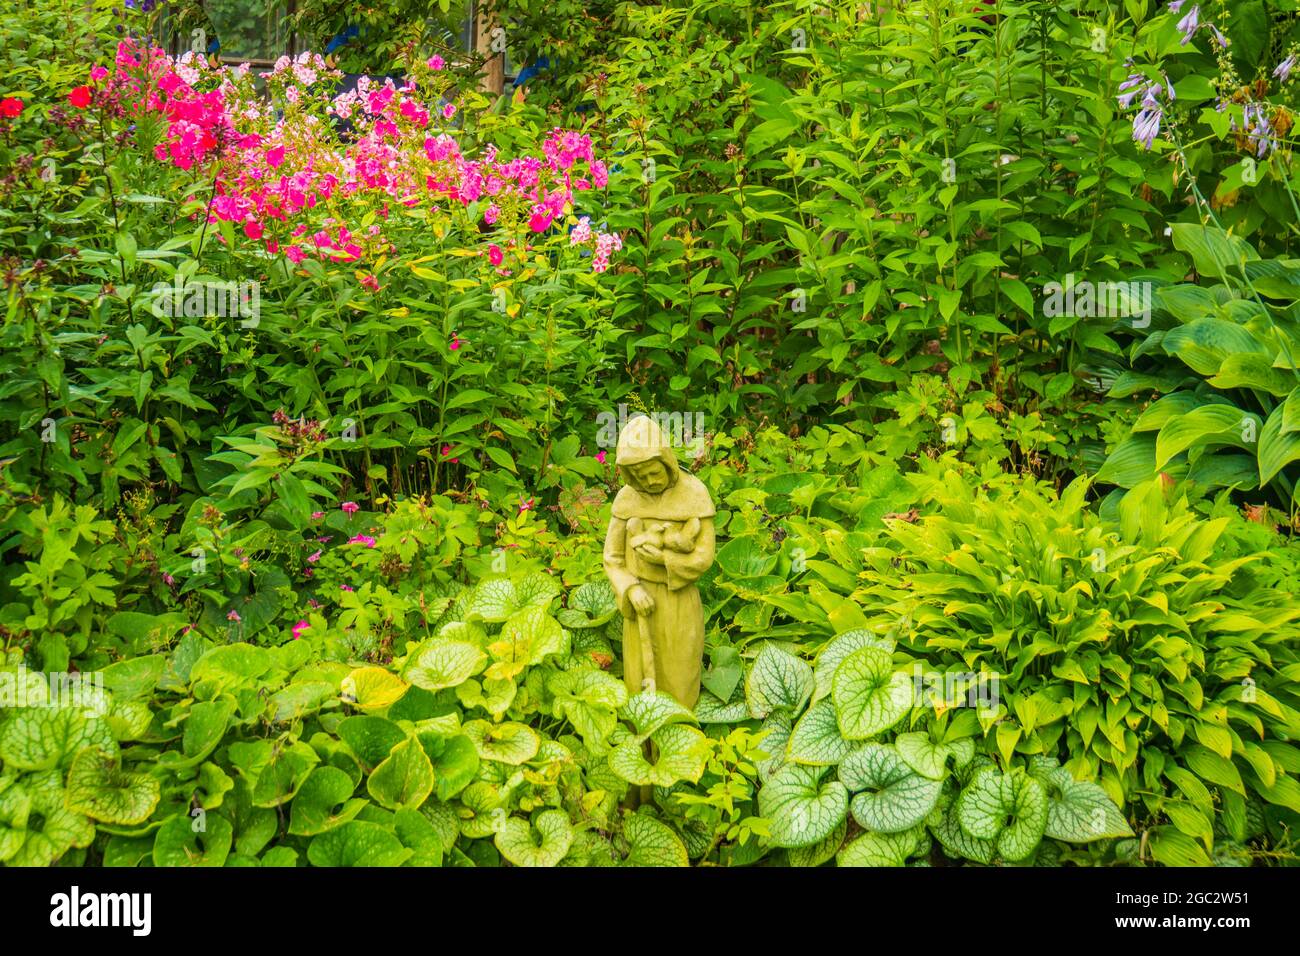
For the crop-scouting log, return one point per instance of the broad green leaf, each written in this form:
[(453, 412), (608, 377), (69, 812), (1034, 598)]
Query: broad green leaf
[(204, 728), (371, 738), (437, 664), (516, 843), (889, 795), (323, 802), (404, 779), (652, 843), (373, 688), (1009, 809), (101, 789), (649, 711), (42, 738), (358, 843), (199, 841), (923, 755), (1276, 448), (832, 655), (777, 680), (801, 808), (870, 696), (881, 849), (958, 843), (1079, 811), (821, 851), (508, 743), (816, 737), (680, 754)]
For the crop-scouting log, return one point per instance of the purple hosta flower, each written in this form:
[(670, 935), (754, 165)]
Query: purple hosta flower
[(1146, 126), (1176, 5), (1219, 38), (1190, 24), (1129, 89), (1283, 71), (1258, 128)]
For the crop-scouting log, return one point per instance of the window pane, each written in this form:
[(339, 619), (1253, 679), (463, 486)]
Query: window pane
[(250, 29)]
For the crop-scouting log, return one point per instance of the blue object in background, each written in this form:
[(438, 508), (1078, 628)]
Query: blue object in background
[(531, 70), (339, 39)]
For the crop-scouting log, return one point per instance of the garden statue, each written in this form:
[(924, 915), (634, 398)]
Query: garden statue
[(660, 540)]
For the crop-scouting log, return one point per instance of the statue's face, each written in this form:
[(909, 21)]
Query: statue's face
[(650, 475)]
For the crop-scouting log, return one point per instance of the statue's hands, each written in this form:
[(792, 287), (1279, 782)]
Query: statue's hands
[(641, 600), (650, 552)]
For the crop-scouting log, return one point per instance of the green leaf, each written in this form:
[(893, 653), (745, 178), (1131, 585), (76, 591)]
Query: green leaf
[(881, 849), (649, 711), (516, 843), (437, 664), (821, 851), (958, 843), (682, 753), (870, 696), (1213, 251), (99, 788), (358, 843), (800, 808), (508, 743), (1009, 809), (896, 798), (652, 843), (1207, 425), (923, 755), (777, 680), (1079, 811), (201, 841), (42, 738), (816, 737), (404, 778), (322, 802), (61, 830), (832, 655), (1276, 449), (371, 738)]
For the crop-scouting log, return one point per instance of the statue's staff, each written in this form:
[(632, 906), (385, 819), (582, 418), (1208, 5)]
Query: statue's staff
[(647, 652)]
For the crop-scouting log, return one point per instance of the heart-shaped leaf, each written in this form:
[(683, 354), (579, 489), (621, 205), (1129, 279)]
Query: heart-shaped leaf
[(322, 802), (1079, 811), (777, 680), (404, 779), (682, 753), (1009, 809), (373, 688), (802, 809), (881, 849), (816, 737), (99, 788), (358, 843), (438, 663), (893, 796), (832, 655), (870, 696), (516, 843), (652, 843), (508, 743)]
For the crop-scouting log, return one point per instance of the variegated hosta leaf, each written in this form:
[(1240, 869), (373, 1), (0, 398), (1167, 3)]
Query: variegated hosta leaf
[(404, 778), (372, 688), (42, 738), (870, 696), (896, 798), (832, 655), (99, 788), (777, 680), (650, 711), (800, 807), (682, 755), (881, 849), (652, 843), (516, 843), (510, 743), (437, 664), (1010, 809), (816, 737), (821, 851), (922, 754), (1079, 811)]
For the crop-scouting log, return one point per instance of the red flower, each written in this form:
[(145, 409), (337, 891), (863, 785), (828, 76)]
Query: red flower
[(495, 255), (80, 97), (10, 107)]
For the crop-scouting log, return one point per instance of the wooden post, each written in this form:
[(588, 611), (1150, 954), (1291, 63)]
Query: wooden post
[(494, 70)]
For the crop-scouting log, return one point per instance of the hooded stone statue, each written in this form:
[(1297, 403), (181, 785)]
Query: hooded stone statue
[(660, 540)]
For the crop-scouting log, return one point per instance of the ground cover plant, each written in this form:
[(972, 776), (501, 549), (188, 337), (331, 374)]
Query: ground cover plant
[(977, 321)]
